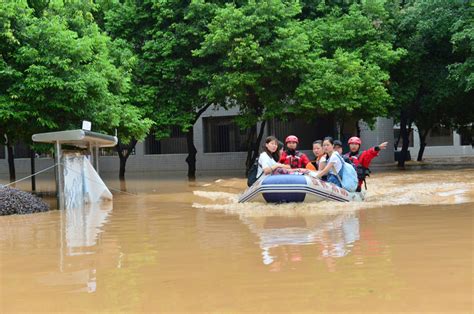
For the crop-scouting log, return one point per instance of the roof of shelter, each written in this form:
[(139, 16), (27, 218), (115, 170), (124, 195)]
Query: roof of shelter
[(79, 138)]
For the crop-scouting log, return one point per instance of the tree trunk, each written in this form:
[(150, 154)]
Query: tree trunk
[(33, 177), (253, 153), (11, 162), (124, 152), (358, 129), (341, 130), (251, 138), (257, 110), (423, 136), (123, 164), (405, 135), (192, 152), (123, 185)]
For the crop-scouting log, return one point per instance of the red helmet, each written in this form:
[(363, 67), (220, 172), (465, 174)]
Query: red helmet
[(291, 138), (354, 140)]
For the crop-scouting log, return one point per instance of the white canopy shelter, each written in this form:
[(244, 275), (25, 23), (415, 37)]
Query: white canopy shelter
[(83, 139)]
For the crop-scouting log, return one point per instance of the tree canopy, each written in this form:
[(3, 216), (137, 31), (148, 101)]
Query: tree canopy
[(59, 68), (431, 84), (132, 65)]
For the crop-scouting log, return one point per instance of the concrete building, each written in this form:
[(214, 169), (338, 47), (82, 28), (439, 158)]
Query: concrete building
[(221, 144)]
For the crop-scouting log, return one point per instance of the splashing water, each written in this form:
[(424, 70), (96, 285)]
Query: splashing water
[(384, 189)]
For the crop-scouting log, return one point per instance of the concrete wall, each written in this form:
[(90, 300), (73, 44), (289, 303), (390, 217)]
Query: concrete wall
[(455, 150), (235, 161), (382, 132)]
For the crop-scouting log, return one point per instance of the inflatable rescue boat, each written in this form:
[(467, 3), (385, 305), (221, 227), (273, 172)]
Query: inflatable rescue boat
[(296, 188)]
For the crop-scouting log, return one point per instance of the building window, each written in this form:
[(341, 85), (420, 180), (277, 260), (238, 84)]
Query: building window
[(175, 144), (440, 136), (222, 134), (111, 151), (398, 138), (467, 135), (21, 150), (307, 132)]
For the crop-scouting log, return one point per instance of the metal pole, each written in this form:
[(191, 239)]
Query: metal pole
[(59, 174), (32, 164), (97, 159), (91, 151)]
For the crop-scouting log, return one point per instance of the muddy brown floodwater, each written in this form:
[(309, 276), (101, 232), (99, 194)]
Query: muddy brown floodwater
[(179, 247)]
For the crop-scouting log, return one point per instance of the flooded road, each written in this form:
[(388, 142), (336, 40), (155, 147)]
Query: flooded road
[(172, 246)]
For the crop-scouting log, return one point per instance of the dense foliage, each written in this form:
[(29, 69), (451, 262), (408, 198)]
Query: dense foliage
[(135, 65)]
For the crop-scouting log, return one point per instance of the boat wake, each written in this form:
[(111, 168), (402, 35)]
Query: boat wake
[(389, 189)]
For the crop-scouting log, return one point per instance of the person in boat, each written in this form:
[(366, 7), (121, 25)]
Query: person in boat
[(361, 160), (268, 159), (318, 153), (295, 159), (338, 146), (333, 163)]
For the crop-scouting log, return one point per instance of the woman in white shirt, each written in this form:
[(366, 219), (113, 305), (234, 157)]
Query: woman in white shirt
[(268, 159), (334, 161)]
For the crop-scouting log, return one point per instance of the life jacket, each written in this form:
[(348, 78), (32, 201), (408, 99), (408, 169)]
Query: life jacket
[(298, 160), (314, 163), (353, 158), (361, 162)]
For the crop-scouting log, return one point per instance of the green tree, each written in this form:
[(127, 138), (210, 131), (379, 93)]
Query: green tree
[(167, 78), (13, 114), (426, 93), (275, 58), (260, 51), (57, 69), (463, 44), (350, 74)]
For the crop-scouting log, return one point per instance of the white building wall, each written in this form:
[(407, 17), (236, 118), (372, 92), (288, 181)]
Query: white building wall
[(455, 150), (382, 132)]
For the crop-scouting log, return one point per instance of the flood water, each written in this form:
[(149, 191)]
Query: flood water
[(174, 246)]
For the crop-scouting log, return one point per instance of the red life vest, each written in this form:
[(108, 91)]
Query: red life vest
[(364, 158), (353, 158), (361, 162), (299, 160)]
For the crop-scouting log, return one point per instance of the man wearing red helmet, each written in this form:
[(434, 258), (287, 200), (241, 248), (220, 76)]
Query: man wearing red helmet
[(292, 157), (362, 160)]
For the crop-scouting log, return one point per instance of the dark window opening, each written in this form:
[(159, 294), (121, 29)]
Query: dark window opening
[(307, 132), (440, 136), (21, 150), (467, 135), (175, 144), (222, 134)]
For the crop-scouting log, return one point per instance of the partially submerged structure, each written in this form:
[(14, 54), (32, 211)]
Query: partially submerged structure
[(77, 182)]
